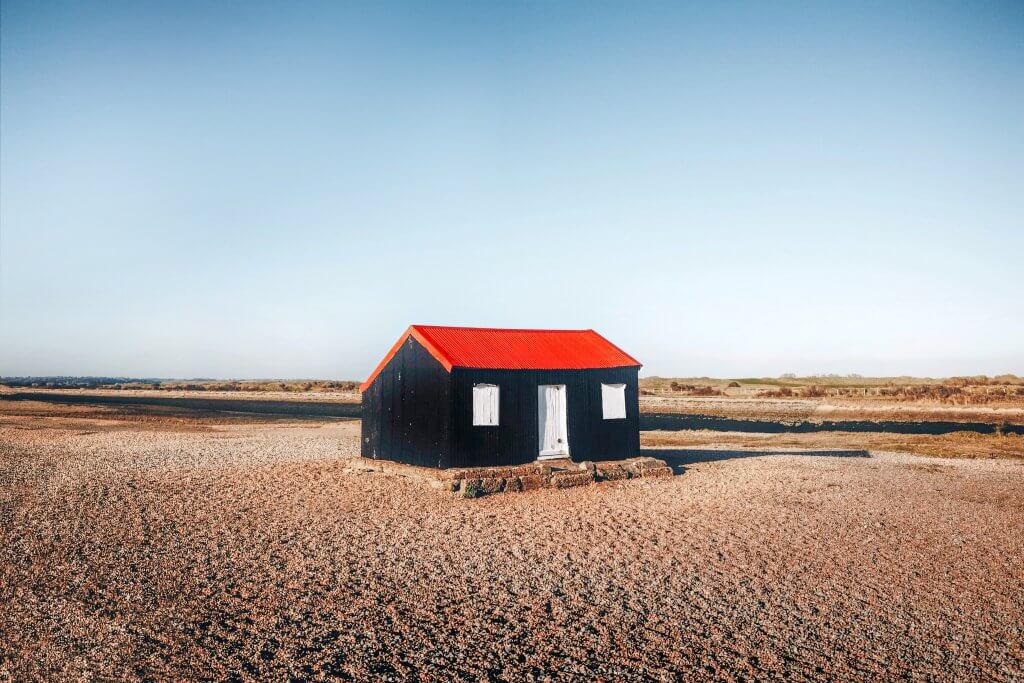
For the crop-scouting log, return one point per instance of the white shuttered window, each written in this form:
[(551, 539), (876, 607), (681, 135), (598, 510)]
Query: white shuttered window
[(485, 405), (613, 401)]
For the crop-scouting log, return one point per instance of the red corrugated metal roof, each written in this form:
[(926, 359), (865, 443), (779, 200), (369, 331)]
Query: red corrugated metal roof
[(505, 349)]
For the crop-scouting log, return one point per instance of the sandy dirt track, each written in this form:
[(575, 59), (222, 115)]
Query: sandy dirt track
[(181, 547)]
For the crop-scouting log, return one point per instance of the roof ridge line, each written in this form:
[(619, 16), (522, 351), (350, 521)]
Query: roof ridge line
[(506, 329)]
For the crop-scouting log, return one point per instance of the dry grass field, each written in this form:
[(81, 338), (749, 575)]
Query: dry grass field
[(995, 401), (968, 399), (155, 544)]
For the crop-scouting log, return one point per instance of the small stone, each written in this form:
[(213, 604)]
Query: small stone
[(656, 472), (492, 484), (564, 480), (532, 482)]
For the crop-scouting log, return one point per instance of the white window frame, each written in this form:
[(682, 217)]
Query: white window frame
[(613, 401), (486, 405)]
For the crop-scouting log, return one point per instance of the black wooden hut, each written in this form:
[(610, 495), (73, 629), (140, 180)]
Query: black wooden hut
[(471, 397)]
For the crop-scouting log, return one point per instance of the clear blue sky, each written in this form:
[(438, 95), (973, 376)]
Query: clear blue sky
[(277, 190)]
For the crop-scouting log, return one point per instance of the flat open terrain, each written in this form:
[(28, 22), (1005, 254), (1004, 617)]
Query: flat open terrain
[(993, 400), (161, 544), (919, 425), (955, 399)]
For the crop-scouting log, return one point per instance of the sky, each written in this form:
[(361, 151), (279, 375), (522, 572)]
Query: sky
[(276, 190)]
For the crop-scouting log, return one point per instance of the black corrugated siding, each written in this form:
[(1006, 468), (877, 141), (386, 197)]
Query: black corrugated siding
[(407, 410), (415, 412), (515, 440)]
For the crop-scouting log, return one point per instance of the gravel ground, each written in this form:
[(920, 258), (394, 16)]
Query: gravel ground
[(164, 550)]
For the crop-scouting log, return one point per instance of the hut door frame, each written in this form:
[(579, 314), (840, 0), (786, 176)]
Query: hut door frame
[(552, 425)]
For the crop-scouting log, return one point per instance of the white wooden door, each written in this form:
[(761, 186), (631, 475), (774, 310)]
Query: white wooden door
[(551, 422)]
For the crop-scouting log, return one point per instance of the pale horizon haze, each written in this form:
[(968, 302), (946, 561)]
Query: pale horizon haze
[(261, 190)]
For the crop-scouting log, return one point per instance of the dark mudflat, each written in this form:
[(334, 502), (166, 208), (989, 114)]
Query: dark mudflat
[(296, 408), (675, 422)]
